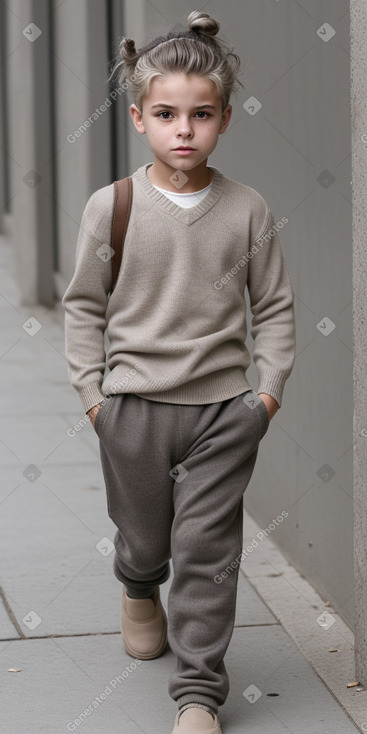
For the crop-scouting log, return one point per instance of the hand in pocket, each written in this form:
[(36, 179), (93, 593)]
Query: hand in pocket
[(270, 402), (93, 412)]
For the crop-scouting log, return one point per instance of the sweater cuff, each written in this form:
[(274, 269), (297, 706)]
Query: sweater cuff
[(90, 395), (273, 384)]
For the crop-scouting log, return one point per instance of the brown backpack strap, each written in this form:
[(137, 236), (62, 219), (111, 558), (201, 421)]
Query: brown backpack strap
[(123, 195)]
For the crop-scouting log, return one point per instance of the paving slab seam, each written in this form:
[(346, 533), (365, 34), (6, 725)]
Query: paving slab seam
[(261, 624), (11, 614), (49, 637)]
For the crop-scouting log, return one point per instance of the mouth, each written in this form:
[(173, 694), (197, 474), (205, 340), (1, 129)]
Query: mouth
[(183, 147)]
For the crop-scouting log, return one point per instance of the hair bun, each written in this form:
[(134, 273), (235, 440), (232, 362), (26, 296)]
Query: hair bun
[(127, 50), (130, 45), (128, 58), (203, 23)]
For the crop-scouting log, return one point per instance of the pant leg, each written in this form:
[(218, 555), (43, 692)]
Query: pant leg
[(136, 441), (206, 538)]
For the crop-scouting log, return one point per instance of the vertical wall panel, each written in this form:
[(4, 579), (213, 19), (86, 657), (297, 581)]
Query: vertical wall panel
[(82, 130)]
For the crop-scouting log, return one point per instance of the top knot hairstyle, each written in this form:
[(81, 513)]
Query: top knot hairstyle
[(195, 51)]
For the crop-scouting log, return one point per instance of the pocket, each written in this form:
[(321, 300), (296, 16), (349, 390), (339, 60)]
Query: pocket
[(265, 420), (252, 399), (102, 412)]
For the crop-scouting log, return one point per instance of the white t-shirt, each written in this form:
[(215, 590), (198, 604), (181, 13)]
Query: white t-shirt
[(186, 200)]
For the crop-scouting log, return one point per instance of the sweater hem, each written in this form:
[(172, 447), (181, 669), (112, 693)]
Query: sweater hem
[(187, 395), (219, 385)]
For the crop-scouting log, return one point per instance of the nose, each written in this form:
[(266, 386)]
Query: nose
[(184, 128)]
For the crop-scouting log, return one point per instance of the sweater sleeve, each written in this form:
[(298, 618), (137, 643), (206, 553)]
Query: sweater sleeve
[(272, 307), (85, 302)]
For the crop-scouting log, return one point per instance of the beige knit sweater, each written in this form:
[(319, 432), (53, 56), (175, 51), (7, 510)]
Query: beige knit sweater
[(176, 320)]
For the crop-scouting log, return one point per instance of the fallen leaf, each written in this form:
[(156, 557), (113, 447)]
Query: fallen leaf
[(351, 685), (14, 670), (334, 649)]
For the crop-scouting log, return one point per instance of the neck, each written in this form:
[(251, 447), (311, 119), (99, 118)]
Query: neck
[(163, 176)]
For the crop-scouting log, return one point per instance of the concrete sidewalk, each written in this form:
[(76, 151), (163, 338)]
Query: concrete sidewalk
[(60, 645)]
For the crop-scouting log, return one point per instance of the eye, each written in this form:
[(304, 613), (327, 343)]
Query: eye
[(202, 112), (165, 112)]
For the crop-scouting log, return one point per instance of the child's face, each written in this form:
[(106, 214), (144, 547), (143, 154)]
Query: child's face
[(170, 119)]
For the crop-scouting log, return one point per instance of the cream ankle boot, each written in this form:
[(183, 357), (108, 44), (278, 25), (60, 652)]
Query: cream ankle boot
[(143, 626)]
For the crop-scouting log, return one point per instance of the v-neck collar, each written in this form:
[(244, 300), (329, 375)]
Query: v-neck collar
[(191, 214)]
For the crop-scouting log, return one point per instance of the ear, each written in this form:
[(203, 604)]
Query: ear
[(226, 116), (137, 118)]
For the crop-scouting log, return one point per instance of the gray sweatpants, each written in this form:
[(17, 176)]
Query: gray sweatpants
[(175, 477)]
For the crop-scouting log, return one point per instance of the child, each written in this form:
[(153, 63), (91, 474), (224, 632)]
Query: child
[(178, 423)]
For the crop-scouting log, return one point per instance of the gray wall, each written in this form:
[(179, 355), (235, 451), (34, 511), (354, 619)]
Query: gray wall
[(28, 152), (83, 163), (303, 129)]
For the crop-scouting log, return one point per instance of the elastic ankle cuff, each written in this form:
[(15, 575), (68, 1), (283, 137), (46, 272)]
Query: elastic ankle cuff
[(198, 698), (140, 593), (198, 706)]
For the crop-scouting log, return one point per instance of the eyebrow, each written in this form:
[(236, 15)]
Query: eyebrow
[(172, 107)]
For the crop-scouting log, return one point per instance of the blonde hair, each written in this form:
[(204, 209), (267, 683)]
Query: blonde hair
[(195, 51)]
